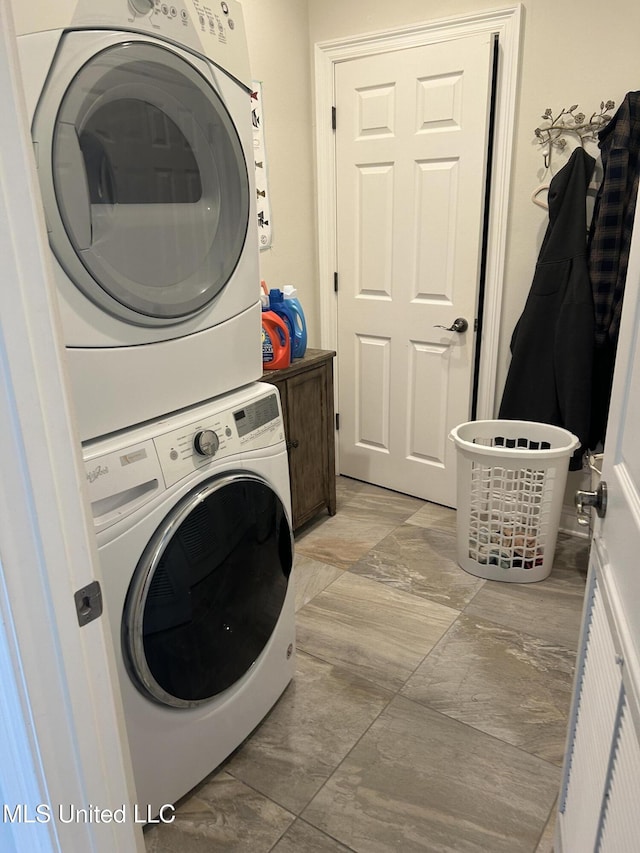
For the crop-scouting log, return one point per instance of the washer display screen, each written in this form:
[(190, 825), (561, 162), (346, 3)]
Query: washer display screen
[(257, 414)]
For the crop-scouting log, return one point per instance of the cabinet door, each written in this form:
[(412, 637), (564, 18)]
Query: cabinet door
[(307, 436)]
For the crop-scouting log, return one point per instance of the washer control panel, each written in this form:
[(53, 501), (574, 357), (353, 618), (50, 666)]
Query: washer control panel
[(252, 426), (206, 442), (122, 476), (256, 418)]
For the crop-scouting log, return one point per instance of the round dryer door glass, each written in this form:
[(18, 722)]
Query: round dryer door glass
[(150, 180), (208, 591)]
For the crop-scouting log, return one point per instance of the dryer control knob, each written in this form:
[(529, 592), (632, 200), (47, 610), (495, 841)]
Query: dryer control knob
[(141, 7), (206, 442)]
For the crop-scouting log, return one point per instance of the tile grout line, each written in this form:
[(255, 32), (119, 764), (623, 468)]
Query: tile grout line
[(398, 693), (554, 806)]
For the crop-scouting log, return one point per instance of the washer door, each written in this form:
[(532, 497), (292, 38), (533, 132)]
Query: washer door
[(150, 184), (208, 591)]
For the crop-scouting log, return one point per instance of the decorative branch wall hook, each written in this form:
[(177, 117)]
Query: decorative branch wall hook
[(568, 121)]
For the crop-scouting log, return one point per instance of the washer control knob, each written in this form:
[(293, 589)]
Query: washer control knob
[(206, 442), (141, 7)]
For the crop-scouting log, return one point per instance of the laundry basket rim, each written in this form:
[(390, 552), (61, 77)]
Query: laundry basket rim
[(511, 429)]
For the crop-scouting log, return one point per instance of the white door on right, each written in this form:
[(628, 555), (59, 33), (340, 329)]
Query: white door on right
[(411, 152), (618, 532), (601, 790)]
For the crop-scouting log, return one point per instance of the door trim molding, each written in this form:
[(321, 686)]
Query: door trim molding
[(62, 732), (507, 23)]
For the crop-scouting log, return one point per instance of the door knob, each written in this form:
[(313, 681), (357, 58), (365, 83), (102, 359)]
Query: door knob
[(459, 325), (597, 500)]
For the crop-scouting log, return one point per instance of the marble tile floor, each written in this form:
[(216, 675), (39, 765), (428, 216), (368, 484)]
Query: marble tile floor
[(429, 707)]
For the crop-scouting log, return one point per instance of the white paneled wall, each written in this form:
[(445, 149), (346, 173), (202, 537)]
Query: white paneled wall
[(600, 799), (596, 711), (620, 832)]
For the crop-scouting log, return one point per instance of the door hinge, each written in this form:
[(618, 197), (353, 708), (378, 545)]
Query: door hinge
[(333, 118), (88, 603), (337, 420), (335, 282)]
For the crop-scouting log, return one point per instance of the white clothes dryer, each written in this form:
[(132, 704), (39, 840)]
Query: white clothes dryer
[(141, 123), (193, 522)]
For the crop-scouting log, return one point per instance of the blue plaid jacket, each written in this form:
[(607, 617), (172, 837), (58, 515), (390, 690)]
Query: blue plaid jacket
[(612, 223)]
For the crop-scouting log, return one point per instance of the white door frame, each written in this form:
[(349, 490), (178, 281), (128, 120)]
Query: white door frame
[(62, 737), (505, 22)]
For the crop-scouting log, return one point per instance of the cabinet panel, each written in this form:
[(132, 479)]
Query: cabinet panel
[(306, 393), (306, 420)]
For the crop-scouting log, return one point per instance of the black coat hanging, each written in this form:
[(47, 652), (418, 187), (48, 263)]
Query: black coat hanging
[(549, 378)]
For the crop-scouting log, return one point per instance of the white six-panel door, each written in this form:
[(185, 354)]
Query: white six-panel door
[(411, 150)]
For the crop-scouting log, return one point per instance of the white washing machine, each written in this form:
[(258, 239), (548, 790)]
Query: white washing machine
[(141, 123), (193, 523)]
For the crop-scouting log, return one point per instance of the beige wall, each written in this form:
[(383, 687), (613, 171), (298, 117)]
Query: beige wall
[(572, 53), (279, 51)]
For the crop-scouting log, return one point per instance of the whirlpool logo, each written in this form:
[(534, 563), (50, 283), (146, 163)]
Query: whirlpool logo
[(98, 471)]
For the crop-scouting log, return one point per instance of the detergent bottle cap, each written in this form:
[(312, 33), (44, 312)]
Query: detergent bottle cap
[(275, 295), (264, 300), (289, 291)]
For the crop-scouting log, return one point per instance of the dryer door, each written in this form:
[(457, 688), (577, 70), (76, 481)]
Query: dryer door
[(208, 591), (150, 184)]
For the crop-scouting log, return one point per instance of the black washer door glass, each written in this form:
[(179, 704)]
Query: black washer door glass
[(150, 180), (201, 609)]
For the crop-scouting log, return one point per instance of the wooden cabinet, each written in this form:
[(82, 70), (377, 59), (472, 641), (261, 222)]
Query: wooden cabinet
[(306, 392)]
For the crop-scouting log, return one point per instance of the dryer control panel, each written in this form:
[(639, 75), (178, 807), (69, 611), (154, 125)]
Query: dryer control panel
[(211, 28)]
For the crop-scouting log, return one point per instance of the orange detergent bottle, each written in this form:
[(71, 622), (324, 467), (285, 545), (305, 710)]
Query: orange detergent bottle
[(276, 342)]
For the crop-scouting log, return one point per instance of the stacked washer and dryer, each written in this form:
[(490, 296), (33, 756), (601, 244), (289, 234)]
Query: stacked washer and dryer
[(141, 124)]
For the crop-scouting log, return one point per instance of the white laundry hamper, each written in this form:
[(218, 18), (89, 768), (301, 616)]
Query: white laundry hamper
[(511, 478)]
